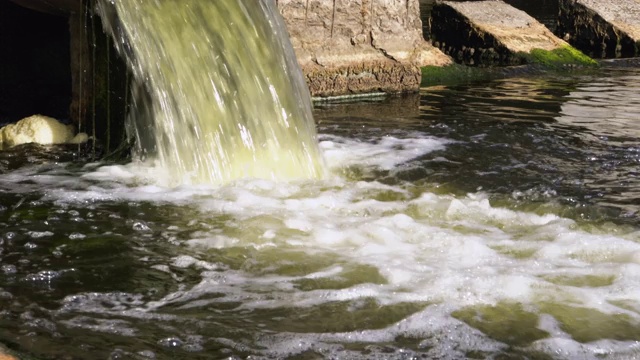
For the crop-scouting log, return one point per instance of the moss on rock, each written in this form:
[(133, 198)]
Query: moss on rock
[(452, 74), (537, 61), (563, 56)]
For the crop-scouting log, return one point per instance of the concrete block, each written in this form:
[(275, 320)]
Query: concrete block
[(602, 29), (359, 46), (491, 32)]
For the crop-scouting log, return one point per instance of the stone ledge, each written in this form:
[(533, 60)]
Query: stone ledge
[(492, 32), (602, 29), (362, 77)]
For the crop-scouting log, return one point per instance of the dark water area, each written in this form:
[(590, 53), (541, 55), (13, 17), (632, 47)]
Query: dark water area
[(545, 11), (35, 77), (494, 219), (540, 137)]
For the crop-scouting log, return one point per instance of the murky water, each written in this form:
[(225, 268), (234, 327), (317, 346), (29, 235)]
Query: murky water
[(489, 220)]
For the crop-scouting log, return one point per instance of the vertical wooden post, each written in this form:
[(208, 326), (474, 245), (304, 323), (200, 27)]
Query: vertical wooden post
[(80, 68)]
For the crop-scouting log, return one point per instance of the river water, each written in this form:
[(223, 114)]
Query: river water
[(496, 219)]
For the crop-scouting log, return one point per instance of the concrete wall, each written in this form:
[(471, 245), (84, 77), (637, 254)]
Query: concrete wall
[(359, 46)]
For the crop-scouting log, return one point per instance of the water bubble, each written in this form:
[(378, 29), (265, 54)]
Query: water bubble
[(117, 354), (76, 236), (39, 234), (171, 342), (9, 269), (193, 347), (194, 343), (30, 246), (140, 226), (148, 354), (44, 276), (9, 235)]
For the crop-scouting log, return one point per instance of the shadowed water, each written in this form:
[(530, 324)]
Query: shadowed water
[(485, 220)]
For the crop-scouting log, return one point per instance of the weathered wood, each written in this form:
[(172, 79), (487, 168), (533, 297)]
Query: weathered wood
[(81, 68)]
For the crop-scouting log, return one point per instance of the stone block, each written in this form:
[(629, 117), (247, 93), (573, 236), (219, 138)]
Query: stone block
[(602, 29), (359, 46), (492, 32)]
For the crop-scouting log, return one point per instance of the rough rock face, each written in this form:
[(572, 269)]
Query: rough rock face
[(488, 32), (603, 29), (359, 46)]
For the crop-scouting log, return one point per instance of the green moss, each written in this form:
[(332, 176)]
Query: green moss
[(560, 57), (537, 61), (452, 74)]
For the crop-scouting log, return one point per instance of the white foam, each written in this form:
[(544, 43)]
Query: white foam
[(385, 153), (451, 252)]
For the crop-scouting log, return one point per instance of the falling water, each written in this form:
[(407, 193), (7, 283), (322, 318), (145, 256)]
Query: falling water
[(218, 93)]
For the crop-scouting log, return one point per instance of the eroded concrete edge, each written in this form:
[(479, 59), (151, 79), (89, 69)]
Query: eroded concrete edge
[(491, 32), (586, 29), (359, 46)]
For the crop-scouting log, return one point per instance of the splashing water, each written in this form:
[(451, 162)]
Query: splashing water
[(218, 93), (496, 220)]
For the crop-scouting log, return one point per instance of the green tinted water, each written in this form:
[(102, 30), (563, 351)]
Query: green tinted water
[(486, 220), (194, 65)]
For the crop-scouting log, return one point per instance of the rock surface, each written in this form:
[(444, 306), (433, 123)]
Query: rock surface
[(601, 28), (488, 33), (359, 46)]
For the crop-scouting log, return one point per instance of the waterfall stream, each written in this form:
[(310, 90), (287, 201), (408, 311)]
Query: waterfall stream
[(218, 94)]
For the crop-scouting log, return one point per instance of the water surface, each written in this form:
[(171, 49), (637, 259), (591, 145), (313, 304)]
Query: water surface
[(486, 220)]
